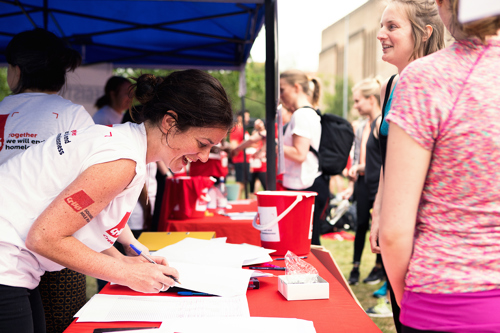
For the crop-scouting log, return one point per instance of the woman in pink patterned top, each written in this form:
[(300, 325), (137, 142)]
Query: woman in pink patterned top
[(440, 218)]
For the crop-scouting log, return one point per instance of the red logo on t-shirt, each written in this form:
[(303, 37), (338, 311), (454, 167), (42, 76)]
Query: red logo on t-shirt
[(117, 230), (3, 120), (79, 201)]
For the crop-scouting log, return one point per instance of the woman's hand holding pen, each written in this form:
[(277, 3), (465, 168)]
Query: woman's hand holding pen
[(130, 252), (147, 278)]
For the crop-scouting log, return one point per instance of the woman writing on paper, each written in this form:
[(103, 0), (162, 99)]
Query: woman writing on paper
[(72, 198)]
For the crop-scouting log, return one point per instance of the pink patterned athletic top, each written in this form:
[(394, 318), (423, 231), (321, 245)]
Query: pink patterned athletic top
[(449, 102)]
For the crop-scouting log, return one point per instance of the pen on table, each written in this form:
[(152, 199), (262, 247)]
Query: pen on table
[(191, 293), (304, 257), (140, 253), (270, 268)]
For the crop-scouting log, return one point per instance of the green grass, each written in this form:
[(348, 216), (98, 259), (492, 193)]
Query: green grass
[(342, 251), (91, 287)]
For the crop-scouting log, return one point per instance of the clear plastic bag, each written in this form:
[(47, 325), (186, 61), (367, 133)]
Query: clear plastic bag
[(298, 270)]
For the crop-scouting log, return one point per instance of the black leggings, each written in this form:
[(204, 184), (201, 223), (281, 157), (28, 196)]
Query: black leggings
[(21, 310), (363, 206), (261, 176), (321, 186), (396, 310)]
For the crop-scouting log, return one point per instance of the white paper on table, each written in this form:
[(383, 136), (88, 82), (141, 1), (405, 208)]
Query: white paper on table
[(215, 280), (241, 216), (231, 325), (470, 10), (259, 260), (200, 251), (208, 252), (219, 239), (110, 308), (240, 325), (256, 274)]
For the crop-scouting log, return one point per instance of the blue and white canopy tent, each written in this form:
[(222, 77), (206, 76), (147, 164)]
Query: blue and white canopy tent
[(204, 34)]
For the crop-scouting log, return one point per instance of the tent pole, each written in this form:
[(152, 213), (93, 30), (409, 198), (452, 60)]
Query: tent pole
[(46, 14), (272, 89), (245, 163)]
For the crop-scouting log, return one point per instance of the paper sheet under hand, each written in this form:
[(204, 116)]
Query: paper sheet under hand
[(110, 308), (215, 280)]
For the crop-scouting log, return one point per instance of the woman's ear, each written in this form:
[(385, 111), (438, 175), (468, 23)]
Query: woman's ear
[(168, 121), (373, 100), (297, 87), (428, 30)]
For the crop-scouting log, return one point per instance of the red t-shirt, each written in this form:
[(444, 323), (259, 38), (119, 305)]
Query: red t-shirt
[(213, 167), (237, 135)]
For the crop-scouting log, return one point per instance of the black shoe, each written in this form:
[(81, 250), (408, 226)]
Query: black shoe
[(354, 276), (375, 276)]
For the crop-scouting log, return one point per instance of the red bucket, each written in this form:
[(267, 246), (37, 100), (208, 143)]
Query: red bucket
[(286, 220)]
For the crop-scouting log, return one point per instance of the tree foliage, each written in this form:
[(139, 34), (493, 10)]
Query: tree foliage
[(4, 87), (335, 101), (255, 81)]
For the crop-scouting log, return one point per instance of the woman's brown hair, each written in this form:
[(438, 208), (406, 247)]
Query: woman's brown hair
[(421, 13)]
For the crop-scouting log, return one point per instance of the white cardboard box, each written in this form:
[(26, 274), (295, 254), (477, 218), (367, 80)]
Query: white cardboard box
[(301, 291)]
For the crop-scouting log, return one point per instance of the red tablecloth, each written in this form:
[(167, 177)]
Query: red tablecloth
[(340, 313), (236, 231)]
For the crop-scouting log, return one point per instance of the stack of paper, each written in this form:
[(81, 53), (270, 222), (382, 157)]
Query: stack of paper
[(108, 308), (214, 266), (240, 325), (215, 280), (215, 252)]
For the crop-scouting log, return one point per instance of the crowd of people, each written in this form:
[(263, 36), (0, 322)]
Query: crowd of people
[(422, 171)]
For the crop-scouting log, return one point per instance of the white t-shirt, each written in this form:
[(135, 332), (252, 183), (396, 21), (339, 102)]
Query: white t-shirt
[(136, 220), (29, 118), (31, 181), (305, 122), (107, 116)]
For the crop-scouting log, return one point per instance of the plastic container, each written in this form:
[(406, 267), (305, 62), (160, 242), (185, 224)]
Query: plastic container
[(286, 219), (222, 196)]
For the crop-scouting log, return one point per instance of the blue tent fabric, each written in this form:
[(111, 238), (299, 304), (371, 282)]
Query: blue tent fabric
[(137, 33)]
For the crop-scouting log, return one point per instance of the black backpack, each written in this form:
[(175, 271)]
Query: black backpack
[(337, 137)]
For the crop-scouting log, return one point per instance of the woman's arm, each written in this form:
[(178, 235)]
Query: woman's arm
[(377, 206), (297, 152), (253, 139), (51, 235), (360, 167), (126, 238), (406, 169)]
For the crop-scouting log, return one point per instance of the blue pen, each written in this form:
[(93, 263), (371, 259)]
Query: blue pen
[(191, 293), (139, 252)]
